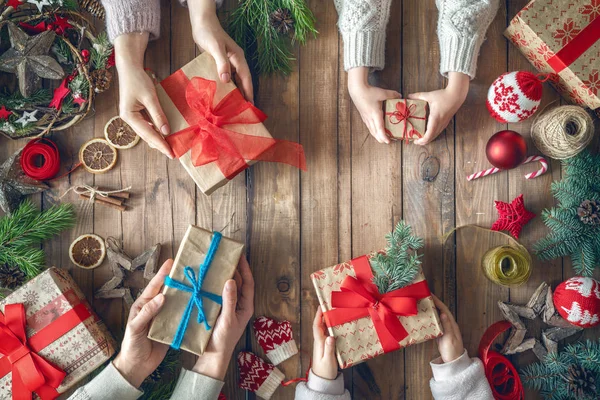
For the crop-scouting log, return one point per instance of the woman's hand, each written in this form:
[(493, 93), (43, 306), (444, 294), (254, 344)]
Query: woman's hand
[(137, 95), (324, 362), (368, 101), (450, 345), (443, 104), (139, 356), (210, 36), (238, 307)]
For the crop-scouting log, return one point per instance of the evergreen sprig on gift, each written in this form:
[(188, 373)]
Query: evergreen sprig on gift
[(22, 232), (399, 264), (572, 374), (271, 27), (575, 221)]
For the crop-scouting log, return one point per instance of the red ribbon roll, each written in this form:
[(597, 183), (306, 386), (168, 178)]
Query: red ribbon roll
[(359, 297), (500, 373), (44, 150)]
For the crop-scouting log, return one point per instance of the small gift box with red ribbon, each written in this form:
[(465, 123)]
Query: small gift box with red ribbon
[(405, 119), (49, 338), (217, 133), (366, 323), (562, 37)]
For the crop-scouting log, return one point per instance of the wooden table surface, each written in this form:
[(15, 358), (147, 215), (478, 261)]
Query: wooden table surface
[(355, 190)]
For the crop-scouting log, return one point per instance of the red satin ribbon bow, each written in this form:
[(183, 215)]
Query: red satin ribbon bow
[(30, 372), (359, 297), (404, 113), (500, 373), (206, 136)]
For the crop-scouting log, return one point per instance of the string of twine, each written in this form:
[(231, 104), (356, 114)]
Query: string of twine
[(92, 191), (562, 132), (508, 265)]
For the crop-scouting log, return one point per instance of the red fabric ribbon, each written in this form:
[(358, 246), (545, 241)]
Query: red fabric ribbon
[(30, 372), (500, 373), (576, 47), (359, 297), (206, 136), (404, 113)]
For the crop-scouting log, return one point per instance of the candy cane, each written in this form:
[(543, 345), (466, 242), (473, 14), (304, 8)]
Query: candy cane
[(530, 175)]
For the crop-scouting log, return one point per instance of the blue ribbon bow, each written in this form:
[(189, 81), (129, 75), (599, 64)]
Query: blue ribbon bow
[(196, 290)]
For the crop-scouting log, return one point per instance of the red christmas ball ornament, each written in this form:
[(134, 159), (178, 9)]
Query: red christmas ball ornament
[(578, 301), (506, 150), (85, 54)]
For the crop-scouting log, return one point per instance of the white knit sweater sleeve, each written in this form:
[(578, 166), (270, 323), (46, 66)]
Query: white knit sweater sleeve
[(461, 31), (463, 378), (362, 25)]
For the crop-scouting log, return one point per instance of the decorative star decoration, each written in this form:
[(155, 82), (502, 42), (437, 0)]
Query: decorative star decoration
[(4, 113), (540, 305), (512, 217), (28, 58), (14, 184), (59, 95), (120, 265), (37, 28), (78, 99), (27, 117), (39, 3), (61, 25), (14, 3)]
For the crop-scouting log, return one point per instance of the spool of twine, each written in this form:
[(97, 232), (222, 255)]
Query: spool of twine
[(507, 265), (562, 132)]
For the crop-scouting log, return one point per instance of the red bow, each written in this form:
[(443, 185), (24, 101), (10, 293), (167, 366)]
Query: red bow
[(359, 298), (405, 113), (206, 136), (30, 372)]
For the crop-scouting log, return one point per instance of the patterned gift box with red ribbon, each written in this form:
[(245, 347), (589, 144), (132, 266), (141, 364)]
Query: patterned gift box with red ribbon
[(217, 133), (365, 323), (405, 119), (49, 338), (563, 37)]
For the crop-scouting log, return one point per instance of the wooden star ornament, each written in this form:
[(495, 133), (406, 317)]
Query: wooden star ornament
[(14, 184), (512, 217), (540, 305)]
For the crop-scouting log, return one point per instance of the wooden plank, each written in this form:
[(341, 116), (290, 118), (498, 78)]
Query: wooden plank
[(476, 296), (428, 183), (376, 205)]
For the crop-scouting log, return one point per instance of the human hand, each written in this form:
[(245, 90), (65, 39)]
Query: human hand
[(210, 36), (368, 101), (238, 307), (324, 362), (443, 104), (137, 94), (139, 356), (450, 345)]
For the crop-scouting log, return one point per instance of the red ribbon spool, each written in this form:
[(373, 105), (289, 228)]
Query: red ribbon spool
[(47, 151)]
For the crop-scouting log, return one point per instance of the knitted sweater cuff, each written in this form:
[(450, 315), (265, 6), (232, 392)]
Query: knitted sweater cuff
[(459, 53), (364, 49), (132, 16)]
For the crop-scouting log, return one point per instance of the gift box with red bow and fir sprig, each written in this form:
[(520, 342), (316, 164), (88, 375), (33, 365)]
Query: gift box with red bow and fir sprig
[(49, 338), (217, 133), (378, 303), (405, 119)]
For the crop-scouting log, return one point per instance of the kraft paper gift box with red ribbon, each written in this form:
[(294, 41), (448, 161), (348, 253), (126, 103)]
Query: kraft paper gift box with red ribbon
[(365, 323), (49, 338), (563, 37), (405, 119), (217, 133)]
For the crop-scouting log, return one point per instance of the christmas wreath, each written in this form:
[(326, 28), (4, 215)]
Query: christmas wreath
[(49, 42)]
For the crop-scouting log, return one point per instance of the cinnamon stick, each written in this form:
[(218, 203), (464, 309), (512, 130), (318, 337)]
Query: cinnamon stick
[(116, 202), (120, 195), (104, 202)]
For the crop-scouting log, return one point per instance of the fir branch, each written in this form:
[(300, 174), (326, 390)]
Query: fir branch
[(16, 101), (62, 52), (26, 228), (101, 51), (68, 107)]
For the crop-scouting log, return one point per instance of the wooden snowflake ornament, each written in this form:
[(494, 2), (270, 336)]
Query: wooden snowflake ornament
[(512, 217)]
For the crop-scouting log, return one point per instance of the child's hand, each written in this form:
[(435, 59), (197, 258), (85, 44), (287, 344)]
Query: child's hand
[(443, 104), (368, 101), (324, 363), (450, 345)]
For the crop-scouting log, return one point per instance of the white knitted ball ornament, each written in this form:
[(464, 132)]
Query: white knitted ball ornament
[(514, 96)]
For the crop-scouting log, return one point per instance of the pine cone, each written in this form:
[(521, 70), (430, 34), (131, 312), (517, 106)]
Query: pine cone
[(281, 19), (581, 381), (94, 7), (11, 277), (101, 79), (589, 212)]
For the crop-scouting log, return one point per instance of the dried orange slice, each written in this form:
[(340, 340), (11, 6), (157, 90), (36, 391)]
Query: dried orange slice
[(87, 251), (97, 156), (119, 134)]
